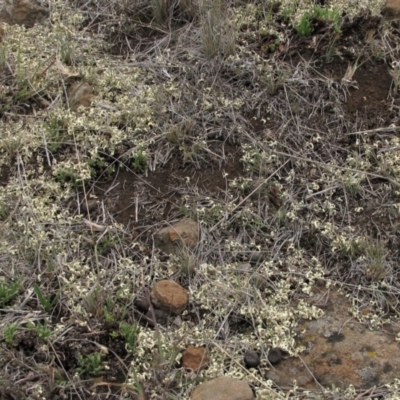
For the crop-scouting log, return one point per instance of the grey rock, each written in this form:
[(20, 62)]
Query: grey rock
[(251, 359), (173, 238), (142, 303), (275, 355)]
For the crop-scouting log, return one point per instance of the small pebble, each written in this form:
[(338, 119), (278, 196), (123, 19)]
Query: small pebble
[(251, 359), (177, 321), (141, 303), (274, 356)]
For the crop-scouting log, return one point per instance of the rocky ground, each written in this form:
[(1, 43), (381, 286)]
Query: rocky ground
[(199, 199)]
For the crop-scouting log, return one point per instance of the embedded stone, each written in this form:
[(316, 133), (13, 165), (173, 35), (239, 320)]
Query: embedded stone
[(339, 350), (223, 388), (195, 358), (170, 297), (80, 94), (251, 359), (275, 356), (173, 238)]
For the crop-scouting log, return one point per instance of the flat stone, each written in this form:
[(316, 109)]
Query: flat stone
[(170, 297), (80, 95), (173, 238), (195, 358), (340, 350), (22, 12), (223, 388)]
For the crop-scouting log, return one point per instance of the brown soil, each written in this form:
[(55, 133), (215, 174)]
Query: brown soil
[(159, 194)]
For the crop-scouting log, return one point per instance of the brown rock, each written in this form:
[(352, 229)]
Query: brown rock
[(172, 238), (223, 388), (80, 94), (22, 12), (391, 9), (195, 358), (169, 297)]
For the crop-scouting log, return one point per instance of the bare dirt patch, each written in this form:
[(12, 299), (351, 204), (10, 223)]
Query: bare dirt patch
[(138, 200)]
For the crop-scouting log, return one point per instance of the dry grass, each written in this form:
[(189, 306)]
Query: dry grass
[(179, 79)]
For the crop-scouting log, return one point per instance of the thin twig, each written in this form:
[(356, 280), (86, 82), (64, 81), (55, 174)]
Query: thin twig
[(372, 131)]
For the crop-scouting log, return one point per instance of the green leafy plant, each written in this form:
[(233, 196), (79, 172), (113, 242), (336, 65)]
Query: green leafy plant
[(139, 161), (8, 291), (327, 14), (107, 242), (42, 330), (288, 11), (91, 364), (108, 310), (46, 302), (9, 332), (130, 333), (97, 164), (304, 26), (69, 176), (56, 129)]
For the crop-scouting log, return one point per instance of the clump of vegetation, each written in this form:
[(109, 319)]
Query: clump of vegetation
[(46, 302), (130, 334), (9, 333), (305, 26), (8, 291), (92, 364)]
